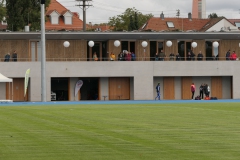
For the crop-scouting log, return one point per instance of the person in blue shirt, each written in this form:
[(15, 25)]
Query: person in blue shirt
[(158, 91)]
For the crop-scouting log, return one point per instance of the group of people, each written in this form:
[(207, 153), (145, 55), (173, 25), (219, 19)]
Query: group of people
[(204, 89), (126, 56), (231, 56), (122, 56), (8, 57)]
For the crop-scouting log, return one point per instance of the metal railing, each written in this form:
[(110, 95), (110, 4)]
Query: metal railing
[(117, 59)]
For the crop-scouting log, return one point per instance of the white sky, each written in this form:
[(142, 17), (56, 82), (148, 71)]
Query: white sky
[(103, 9)]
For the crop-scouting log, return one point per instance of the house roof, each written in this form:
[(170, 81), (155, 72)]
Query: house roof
[(233, 21), (102, 27), (77, 24), (183, 24), (211, 23)]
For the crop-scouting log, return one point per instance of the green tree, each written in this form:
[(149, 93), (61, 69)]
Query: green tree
[(2, 9), (21, 13), (136, 21), (213, 15), (122, 22), (131, 25)]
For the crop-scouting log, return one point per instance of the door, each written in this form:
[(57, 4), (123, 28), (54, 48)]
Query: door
[(216, 87), (168, 88), (119, 88), (18, 90), (186, 87)]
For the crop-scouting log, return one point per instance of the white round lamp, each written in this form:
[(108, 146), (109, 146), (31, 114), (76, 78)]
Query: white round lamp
[(91, 43), (169, 43), (215, 44), (117, 43), (66, 44), (144, 44), (194, 44)]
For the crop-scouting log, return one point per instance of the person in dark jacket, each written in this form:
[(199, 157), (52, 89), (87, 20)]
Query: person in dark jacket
[(158, 91), (201, 90), (200, 56), (228, 54), (14, 56), (7, 57)]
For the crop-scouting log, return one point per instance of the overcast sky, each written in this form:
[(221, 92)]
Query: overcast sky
[(101, 10)]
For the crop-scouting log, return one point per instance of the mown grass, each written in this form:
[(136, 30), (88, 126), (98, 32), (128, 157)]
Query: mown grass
[(136, 132)]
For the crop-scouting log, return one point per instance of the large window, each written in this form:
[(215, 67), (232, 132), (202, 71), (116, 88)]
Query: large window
[(170, 24)]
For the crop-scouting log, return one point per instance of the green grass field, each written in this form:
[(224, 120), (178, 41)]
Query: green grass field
[(197, 131)]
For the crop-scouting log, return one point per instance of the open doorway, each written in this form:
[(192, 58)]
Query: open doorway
[(60, 88), (90, 88)]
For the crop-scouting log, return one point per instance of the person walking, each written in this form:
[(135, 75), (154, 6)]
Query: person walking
[(193, 88), (158, 91), (201, 88)]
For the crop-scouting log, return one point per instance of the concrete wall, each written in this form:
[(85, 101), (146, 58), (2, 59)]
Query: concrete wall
[(143, 74), (2, 90)]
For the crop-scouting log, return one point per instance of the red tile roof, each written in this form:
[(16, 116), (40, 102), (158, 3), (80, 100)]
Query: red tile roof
[(77, 24), (180, 24), (101, 27)]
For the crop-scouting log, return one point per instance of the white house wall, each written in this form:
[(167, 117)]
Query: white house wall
[(143, 74), (219, 25)]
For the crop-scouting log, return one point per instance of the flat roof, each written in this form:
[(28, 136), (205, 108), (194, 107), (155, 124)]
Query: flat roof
[(122, 35)]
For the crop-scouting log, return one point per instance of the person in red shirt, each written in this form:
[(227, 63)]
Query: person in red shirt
[(193, 88), (233, 56)]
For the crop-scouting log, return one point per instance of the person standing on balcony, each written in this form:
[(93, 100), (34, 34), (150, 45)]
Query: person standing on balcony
[(162, 56), (189, 56), (171, 57), (120, 56), (228, 55), (193, 88), (156, 57), (200, 56), (158, 91), (178, 57), (112, 56), (192, 56), (14, 56), (133, 56), (233, 56), (7, 57), (95, 58)]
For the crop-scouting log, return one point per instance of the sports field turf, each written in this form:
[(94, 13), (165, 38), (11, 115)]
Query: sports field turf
[(192, 131)]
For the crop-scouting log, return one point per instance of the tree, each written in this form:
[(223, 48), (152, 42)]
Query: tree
[(2, 9), (21, 13), (131, 25), (122, 22), (213, 15)]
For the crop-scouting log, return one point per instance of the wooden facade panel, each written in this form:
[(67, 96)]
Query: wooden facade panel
[(216, 87), (119, 88), (172, 49), (55, 51), (21, 47), (168, 88), (186, 87), (201, 46), (225, 45), (140, 54)]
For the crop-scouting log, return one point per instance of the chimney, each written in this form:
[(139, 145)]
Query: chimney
[(162, 16), (190, 16)]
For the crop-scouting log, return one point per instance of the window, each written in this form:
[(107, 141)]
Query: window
[(237, 24), (170, 24), (68, 18), (54, 16)]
